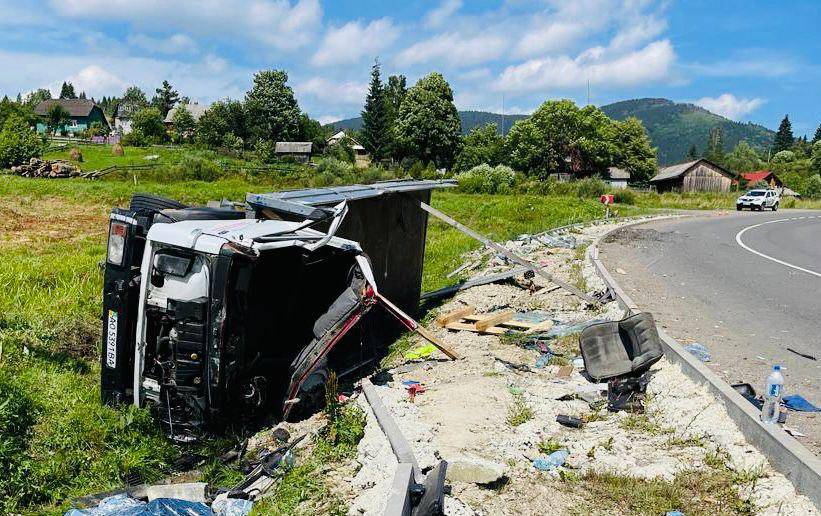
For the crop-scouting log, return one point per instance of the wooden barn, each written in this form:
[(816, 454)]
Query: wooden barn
[(700, 175)]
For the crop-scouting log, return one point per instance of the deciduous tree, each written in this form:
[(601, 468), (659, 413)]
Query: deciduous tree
[(18, 143), (634, 151), (271, 108), (428, 126), (57, 117), (482, 145)]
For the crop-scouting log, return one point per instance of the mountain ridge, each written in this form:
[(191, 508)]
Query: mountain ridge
[(673, 127)]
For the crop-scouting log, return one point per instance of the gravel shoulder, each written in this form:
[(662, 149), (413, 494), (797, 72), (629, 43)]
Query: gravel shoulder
[(464, 418)]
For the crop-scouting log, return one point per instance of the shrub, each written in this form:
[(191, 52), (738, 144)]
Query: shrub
[(590, 187), (624, 196), (18, 143), (16, 419), (149, 122), (334, 167), (784, 156), (196, 168), (266, 151), (486, 179), (135, 138), (341, 151), (812, 188)]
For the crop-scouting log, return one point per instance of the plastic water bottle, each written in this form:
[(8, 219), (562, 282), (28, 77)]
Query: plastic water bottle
[(772, 396)]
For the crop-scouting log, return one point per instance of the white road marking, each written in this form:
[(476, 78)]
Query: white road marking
[(776, 260)]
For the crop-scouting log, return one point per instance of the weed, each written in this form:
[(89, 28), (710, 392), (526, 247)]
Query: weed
[(686, 441), (491, 374), (643, 423), (519, 412), (598, 415), (548, 446), (608, 444)]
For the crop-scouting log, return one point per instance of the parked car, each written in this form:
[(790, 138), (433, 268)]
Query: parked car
[(758, 200)]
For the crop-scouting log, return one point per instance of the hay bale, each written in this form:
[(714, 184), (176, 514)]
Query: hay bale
[(117, 150), (75, 154)]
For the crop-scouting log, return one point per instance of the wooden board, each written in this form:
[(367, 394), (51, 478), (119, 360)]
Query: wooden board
[(542, 326), (454, 315), (460, 326), (493, 319)]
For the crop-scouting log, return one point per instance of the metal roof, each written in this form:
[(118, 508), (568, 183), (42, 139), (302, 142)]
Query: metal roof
[(293, 147), (333, 195), (195, 109), (677, 170), (618, 173), (75, 107)]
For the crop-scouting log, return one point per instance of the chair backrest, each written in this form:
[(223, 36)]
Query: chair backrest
[(619, 348)]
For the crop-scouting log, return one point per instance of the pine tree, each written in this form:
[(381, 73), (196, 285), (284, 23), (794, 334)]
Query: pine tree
[(20, 101), (376, 135), (166, 98), (67, 91), (83, 95), (715, 145), (815, 139), (783, 138), (692, 154)]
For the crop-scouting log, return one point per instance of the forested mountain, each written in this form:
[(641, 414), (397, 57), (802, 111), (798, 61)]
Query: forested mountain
[(673, 127), (470, 119)]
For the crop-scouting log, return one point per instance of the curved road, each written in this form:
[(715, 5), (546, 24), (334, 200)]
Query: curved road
[(747, 285)]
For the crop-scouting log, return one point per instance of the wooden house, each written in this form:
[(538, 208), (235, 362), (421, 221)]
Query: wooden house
[(82, 113), (700, 175)]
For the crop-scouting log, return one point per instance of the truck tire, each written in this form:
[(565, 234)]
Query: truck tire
[(148, 202)]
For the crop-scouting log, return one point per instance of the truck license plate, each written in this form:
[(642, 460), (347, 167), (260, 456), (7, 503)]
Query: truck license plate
[(111, 341)]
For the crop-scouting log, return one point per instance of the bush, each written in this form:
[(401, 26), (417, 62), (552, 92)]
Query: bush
[(135, 138), (341, 151), (784, 156), (266, 151), (149, 123), (334, 167), (812, 188), (590, 187), (18, 143), (624, 196), (488, 180), (16, 419), (196, 168)]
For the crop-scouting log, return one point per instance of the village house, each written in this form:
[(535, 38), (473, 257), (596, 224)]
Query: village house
[(299, 151), (617, 177), (122, 117), (361, 155), (196, 110), (700, 175), (768, 176), (82, 113)]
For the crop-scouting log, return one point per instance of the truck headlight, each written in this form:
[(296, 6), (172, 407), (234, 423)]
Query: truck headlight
[(116, 242)]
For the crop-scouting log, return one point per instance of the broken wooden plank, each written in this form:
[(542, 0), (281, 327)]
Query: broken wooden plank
[(454, 315), (411, 324), (460, 326), (509, 254), (542, 326), (493, 319)]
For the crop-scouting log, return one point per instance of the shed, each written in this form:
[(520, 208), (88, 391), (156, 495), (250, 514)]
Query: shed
[(617, 177), (701, 175), (82, 113), (361, 155), (767, 176), (297, 150)]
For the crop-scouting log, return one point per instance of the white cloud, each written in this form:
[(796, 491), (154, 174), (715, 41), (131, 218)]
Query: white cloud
[(454, 49), (438, 16), (643, 29), (327, 119), (549, 38), (352, 93), (730, 106), (275, 22), (649, 64), (90, 79), (175, 44), (353, 41)]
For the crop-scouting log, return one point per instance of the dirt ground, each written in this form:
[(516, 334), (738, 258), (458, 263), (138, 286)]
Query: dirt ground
[(465, 415)]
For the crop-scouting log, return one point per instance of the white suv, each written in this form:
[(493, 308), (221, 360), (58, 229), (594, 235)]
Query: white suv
[(758, 200)]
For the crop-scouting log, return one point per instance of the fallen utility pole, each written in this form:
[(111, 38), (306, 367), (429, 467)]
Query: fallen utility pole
[(508, 254)]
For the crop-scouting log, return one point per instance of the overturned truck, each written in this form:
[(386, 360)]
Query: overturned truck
[(214, 316)]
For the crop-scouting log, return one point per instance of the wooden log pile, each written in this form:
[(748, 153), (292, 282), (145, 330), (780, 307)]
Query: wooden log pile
[(51, 169)]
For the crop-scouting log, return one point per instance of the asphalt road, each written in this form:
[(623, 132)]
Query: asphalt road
[(747, 285)]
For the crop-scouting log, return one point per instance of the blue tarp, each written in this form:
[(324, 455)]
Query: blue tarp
[(123, 505)]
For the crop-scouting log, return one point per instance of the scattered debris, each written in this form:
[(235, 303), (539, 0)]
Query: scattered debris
[(620, 270), (123, 504), (799, 403), (700, 351), (810, 357), (493, 323), (569, 421), (563, 241), (191, 492), (423, 351), (552, 461), (793, 431), (475, 282)]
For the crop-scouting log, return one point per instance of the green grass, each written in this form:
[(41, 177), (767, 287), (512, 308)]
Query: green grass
[(708, 201), (548, 446), (98, 157), (57, 440), (519, 412)]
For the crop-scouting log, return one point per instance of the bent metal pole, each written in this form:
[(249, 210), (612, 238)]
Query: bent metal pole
[(509, 254)]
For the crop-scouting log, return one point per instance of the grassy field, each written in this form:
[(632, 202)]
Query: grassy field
[(97, 157), (56, 440), (709, 201)]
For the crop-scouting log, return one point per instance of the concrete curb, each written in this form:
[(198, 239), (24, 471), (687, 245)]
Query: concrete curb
[(786, 455)]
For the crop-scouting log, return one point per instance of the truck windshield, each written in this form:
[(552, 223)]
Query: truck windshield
[(755, 193)]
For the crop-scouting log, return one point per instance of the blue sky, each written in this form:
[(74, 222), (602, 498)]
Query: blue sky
[(748, 60)]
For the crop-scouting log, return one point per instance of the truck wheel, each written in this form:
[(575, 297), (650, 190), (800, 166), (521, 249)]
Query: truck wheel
[(738, 208), (148, 202)]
